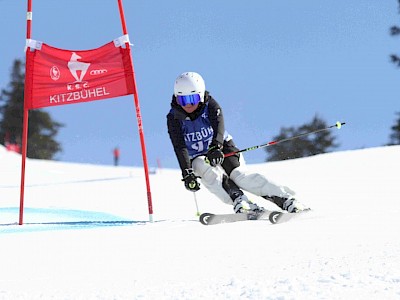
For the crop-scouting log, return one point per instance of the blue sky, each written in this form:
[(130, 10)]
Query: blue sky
[(270, 64)]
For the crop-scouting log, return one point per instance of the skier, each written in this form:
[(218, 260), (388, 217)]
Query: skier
[(116, 154), (197, 132)]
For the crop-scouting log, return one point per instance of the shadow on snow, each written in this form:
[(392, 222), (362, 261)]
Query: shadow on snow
[(45, 219)]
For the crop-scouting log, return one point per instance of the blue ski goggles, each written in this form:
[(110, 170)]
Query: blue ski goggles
[(188, 99)]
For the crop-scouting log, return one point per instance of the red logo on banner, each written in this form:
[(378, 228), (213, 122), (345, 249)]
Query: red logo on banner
[(58, 77)]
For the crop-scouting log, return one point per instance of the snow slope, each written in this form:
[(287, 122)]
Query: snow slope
[(87, 236)]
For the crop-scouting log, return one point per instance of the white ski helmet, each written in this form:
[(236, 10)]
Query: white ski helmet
[(189, 83)]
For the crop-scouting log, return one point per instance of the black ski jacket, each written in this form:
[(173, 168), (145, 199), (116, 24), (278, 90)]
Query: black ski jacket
[(177, 114)]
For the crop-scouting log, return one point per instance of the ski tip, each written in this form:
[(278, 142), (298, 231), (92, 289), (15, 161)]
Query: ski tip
[(275, 216), (205, 217)]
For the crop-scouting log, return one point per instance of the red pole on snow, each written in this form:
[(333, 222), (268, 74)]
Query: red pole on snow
[(26, 114), (138, 116)]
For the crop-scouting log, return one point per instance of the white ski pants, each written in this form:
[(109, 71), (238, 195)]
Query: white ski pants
[(257, 184)]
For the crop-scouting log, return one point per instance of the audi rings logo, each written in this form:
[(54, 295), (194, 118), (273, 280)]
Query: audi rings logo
[(55, 73), (98, 72)]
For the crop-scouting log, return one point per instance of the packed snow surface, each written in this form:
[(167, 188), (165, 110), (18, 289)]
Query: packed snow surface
[(87, 235)]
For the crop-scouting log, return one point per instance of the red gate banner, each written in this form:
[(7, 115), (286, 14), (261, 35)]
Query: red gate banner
[(57, 77)]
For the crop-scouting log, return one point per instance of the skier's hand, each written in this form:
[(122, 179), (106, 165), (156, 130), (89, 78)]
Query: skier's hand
[(190, 180), (215, 156)]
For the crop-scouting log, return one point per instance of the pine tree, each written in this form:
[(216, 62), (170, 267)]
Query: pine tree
[(42, 129), (395, 30), (318, 143), (395, 135)]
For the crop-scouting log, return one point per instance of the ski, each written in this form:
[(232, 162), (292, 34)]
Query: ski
[(275, 217), (212, 219)]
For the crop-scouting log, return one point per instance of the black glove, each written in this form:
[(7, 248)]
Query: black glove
[(191, 183), (215, 156)]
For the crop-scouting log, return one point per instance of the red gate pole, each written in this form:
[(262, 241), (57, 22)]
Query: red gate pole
[(26, 115), (138, 116)]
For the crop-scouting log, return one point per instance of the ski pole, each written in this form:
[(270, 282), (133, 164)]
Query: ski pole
[(338, 125), (197, 206)]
